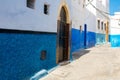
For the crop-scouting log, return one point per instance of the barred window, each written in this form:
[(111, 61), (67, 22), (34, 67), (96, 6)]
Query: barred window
[(105, 26), (46, 9), (102, 25)]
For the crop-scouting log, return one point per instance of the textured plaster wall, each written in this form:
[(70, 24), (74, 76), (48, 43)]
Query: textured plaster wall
[(77, 13), (78, 39), (92, 15), (115, 40), (20, 54), (115, 30), (100, 38), (20, 17)]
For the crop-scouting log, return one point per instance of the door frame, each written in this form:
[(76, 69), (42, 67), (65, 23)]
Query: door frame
[(63, 5)]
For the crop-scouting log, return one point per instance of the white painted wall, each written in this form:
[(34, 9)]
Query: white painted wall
[(18, 16), (103, 6), (92, 14), (77, 12), (115, 24), (90, 20), (15, 15)]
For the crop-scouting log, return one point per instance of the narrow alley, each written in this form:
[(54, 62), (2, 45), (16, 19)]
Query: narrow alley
[(97, 63)]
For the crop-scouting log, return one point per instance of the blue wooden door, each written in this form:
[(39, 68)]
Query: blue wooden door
[(85, 35)]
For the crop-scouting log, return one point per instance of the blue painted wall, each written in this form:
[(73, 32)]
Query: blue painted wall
[(115, 40), (20, 54), (91, 39), (77, 39), (100, 38)]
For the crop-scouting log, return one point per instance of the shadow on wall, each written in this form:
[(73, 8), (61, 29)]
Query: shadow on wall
[(78, 54)]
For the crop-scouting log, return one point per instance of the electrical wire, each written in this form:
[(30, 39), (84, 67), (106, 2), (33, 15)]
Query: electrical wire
[(88, 3), (103, 12)]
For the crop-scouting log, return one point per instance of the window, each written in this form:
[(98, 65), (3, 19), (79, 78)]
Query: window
[(98, 24), (105, 26), (31, 4), (46, 9), (101, 25), (80, 28)]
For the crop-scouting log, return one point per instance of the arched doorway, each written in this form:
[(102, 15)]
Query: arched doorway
[(63, 49)]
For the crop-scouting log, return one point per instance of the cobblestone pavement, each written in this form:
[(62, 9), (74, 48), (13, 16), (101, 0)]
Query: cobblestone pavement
[(97, 63)]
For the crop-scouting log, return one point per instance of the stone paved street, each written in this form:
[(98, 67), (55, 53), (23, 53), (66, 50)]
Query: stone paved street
[(97, 63)]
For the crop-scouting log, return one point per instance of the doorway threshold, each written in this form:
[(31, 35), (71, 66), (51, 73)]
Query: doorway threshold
[(64, 63)]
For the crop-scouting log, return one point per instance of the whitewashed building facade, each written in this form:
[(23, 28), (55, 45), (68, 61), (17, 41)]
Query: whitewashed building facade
[(115, 29), (37, 35), (97, 20)]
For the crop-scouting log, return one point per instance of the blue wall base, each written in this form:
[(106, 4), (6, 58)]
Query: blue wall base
[(115, 40), (100, 38), (78, 40), (20, 53)]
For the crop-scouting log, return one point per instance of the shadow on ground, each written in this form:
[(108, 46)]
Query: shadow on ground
[(78, 54)]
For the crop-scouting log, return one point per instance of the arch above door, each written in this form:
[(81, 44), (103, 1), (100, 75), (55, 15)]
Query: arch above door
[(65, 6)]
